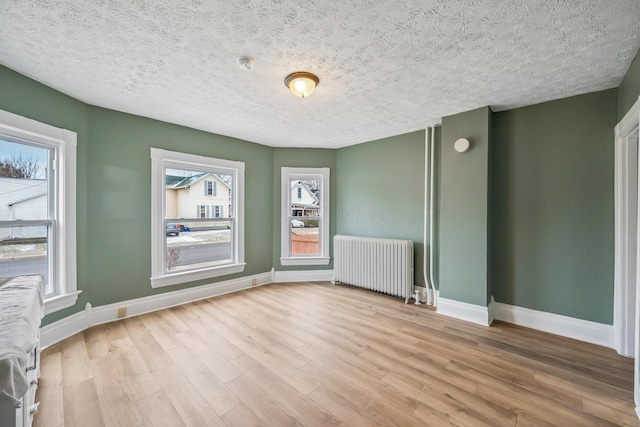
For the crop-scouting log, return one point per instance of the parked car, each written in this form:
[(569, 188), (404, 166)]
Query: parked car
[(173, 229), (297, 223)]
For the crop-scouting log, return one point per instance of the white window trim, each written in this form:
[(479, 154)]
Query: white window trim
[(65, 143), (158, 159), (304, 173)]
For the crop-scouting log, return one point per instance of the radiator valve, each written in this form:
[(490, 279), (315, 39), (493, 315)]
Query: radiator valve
[(416, 297)]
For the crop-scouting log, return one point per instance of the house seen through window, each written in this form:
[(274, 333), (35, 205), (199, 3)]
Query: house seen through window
[(305, 216), (203, 243), (199, 216)]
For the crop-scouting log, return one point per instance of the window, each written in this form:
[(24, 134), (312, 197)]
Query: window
[(208, 245), (37, 206), (210, 188), (209, 211), (305, 216)]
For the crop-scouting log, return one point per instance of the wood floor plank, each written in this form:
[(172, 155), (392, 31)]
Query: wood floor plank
[(426, 371), (200, 323), (588, 391), (81, 405), (290, 374), (313, 354), (261, 403), (495, 380), (381, 401), (217, 364), (521, 401), (525, 420), (75, 361), (192, 408), (96, 341), (241, 416), (51, 409), (607, 413), (141, 385), (152, 353), (460, 405), (343, 408), (115, 331), (295, 402), (51, 367), (606, 376), (432, 417), (186, 361), (157, 410), (217, 395), (119, 407)]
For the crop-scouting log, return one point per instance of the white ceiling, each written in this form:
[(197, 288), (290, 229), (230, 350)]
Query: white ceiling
[(385, 67)]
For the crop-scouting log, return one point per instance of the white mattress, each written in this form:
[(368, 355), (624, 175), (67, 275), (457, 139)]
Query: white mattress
[(21, 310)]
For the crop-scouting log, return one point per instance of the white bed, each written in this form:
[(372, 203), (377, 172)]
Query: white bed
[(21, 310)]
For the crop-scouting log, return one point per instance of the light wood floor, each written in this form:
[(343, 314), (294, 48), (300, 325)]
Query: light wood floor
[(313, 354)]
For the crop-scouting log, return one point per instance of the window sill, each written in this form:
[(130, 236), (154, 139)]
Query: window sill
[(59, 302), (190, 276), (305, 261)]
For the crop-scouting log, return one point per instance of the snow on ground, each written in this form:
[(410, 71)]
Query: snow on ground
[(208, 236)]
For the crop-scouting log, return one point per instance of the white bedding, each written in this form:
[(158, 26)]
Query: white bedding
[(21, 310)]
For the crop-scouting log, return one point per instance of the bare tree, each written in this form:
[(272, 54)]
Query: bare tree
[(19, 166), (173, 255)]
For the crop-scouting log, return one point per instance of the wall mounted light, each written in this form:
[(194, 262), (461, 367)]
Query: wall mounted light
[(462, 145), (301, 83)]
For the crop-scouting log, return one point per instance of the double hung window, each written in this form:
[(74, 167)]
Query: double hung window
[(305, 216), (37, 206), (187, 190)]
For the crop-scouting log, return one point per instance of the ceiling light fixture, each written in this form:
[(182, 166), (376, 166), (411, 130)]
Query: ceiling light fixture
[(301, 83)]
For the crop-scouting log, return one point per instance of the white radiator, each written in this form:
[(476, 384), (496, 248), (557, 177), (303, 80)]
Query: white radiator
[(382, 265)]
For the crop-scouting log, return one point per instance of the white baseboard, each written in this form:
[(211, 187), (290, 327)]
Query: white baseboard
[(464, 311), (570, 327), (64, 328), (91, 316), (303, 276)]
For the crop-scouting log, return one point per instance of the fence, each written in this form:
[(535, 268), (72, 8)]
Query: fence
[(305, 244)]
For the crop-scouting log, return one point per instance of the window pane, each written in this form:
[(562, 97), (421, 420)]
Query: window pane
[(24, 188), (305, 241), (193, 245), (305, 197), (24, 250), (190, 193)]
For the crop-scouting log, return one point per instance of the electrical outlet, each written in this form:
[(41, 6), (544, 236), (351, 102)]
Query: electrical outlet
[(122, 312), (253, 282)]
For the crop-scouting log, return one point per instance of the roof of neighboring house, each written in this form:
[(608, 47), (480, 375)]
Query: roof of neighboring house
[(26, 199), (313, 193), (177, 182)]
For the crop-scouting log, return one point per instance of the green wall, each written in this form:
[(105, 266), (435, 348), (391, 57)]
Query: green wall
[(113, 189), (302, 158), (119, 199), (380, 191), (463, 209), (23, 96), (552, 206), (629, 89), (544, 240)]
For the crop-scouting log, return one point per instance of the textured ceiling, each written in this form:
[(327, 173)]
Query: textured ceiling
[(385, 67)]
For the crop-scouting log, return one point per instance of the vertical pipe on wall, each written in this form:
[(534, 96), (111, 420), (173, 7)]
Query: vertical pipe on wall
[(432, 210), (428, 201)]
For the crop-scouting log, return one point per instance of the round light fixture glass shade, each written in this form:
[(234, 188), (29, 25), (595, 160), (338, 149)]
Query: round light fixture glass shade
[(301, 83)]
